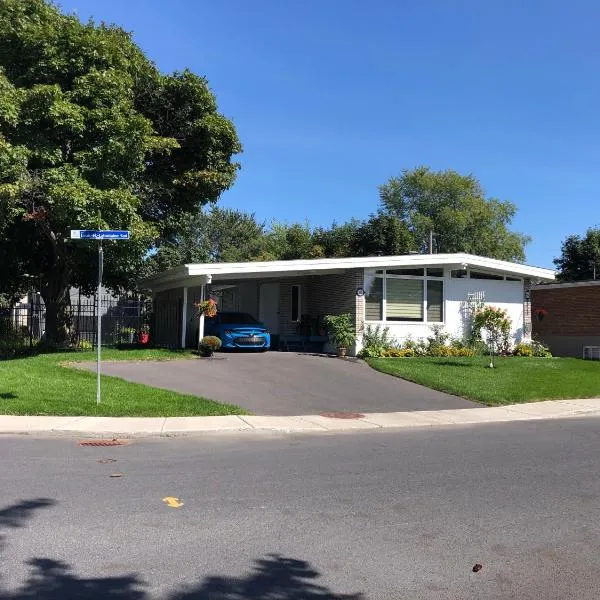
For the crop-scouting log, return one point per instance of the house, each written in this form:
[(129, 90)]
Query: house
[(407, 293), (566, 317)]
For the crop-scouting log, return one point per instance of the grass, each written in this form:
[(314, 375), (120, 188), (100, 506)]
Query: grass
[(513, 380), (47, 385)]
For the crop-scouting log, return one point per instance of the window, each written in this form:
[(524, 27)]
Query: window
[(409, 272), (404, 295), (480, 275), (295, 303), (404, 299), (459, 273), (373, 298), (435, 301), (512, 279)]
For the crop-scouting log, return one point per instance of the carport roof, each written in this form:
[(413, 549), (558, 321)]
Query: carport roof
[(197, 274)]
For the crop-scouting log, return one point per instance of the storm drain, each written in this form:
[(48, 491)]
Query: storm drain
[(342, 415), (102, 443)]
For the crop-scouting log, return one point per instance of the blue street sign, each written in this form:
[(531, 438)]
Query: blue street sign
[(90, 234)]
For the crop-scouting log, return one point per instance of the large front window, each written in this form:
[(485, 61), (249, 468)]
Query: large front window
[(410, 295)]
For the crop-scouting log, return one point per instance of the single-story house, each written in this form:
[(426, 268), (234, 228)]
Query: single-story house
[(566, 317), (406, 293)]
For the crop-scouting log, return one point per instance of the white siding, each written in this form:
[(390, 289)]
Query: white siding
[(501, 294)]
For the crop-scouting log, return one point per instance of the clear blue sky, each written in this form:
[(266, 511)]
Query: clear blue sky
[(331, 98)]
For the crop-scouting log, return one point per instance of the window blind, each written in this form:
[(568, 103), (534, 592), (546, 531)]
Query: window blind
[(404, 300)]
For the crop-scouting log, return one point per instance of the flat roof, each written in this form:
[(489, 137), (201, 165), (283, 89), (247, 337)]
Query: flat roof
[(200, 272), (565, 285)]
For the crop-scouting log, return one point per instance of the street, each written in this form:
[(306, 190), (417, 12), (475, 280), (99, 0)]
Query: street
[(370, 515)]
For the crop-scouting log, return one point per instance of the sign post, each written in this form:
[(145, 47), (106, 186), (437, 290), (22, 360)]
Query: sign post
[(86, 234)]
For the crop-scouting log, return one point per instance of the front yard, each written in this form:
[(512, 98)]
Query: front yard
[(513, 380), (47, 385)]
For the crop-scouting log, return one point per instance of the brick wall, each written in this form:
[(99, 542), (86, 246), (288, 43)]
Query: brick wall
[(572, 311)]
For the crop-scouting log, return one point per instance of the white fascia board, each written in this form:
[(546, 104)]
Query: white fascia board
[(324, 264), (176, 277)]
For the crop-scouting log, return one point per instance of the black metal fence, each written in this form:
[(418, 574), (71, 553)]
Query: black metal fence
[(123, 321)]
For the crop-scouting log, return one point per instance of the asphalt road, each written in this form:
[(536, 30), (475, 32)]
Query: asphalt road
[(286, 383), (371, 515)]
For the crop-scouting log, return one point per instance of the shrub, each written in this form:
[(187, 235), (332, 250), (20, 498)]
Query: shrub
[(536, 349), (210, 342), (85, 345), (399, 353), (377, 337)]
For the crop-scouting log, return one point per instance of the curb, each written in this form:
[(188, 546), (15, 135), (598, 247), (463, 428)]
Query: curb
[(129, 427)]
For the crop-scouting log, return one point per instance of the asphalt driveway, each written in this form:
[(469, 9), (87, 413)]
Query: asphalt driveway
[(286, 383)]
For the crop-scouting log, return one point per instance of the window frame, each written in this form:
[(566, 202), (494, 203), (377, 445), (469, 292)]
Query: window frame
[(424, 278)]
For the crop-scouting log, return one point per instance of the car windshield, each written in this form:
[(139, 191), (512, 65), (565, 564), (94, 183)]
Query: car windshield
[(238, 318)]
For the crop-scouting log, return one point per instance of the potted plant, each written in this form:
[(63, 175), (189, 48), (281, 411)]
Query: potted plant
[(341, 332), (208, 308), (144, 334), (208, 345)]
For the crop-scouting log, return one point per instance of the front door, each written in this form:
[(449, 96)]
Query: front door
[(268, 309)]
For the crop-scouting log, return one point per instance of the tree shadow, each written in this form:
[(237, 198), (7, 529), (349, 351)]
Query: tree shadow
[(8, 396), (273, 577)]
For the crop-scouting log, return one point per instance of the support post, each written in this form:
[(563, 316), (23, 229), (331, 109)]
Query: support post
[(201, 319), (99, 314), (184, 317)]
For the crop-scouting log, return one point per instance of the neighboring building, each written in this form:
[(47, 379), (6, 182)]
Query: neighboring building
[(567, 318), (408, 294)]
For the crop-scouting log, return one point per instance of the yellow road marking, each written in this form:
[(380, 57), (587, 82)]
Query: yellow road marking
[(173, 502)]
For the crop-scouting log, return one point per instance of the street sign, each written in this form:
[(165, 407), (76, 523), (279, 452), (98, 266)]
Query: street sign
[(91, 234)]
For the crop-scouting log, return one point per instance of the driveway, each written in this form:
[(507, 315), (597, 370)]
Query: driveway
[(285, 383)]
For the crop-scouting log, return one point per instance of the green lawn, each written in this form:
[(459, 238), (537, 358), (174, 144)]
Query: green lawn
[(46, 385), (513, 380)]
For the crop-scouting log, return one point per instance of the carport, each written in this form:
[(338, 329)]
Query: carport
[(289, 297)]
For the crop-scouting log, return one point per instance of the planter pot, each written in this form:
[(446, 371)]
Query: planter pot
[(144, 338), (206, 352), (341, 352)]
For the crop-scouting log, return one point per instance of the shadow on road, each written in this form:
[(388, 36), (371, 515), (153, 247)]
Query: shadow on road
[(273, 576)]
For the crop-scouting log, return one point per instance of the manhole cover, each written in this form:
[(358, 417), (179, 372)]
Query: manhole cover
[(342, 415), (102, 443)]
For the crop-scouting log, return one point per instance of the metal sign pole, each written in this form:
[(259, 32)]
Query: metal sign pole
[(99, 313), (94, 234)]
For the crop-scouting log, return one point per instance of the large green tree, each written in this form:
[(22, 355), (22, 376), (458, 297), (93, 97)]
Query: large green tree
[(93, 136), (580, 257), (215, 235), (455, 209)]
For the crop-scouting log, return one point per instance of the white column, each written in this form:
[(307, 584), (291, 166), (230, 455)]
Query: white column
[(184, 317), (201, 319)]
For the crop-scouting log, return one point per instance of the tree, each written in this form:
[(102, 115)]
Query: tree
[(454, 207), (93, 136), (580, 257), (384, 235), (338, 240), (289, 242), (215, 235)]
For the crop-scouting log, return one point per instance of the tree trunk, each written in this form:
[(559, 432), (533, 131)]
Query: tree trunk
[(55, 293)]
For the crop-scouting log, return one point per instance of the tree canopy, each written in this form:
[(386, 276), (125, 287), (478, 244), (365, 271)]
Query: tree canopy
[(580, 257), (93, 136), (455, 208)]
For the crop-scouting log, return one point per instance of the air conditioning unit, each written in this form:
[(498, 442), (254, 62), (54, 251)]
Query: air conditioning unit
[(591, 352)]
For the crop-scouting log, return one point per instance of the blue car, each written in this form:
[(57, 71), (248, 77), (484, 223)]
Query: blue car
[(238, 330)]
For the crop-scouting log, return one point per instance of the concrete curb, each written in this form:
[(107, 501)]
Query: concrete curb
[(106, 427)]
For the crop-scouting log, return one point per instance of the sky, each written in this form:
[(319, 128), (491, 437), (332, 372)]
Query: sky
[(331, 98)]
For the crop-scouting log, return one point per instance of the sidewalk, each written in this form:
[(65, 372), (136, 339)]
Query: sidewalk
[(177, 426)]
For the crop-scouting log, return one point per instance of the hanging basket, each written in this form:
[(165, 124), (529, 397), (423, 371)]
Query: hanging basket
[(208, 308)]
